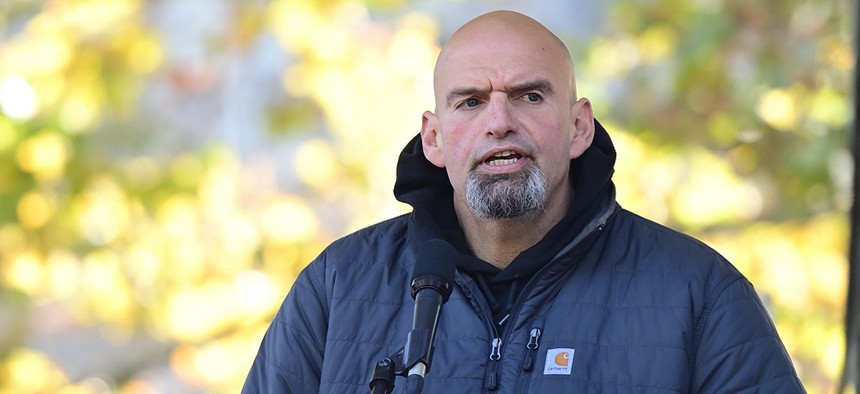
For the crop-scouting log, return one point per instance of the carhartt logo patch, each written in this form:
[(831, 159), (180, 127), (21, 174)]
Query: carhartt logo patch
[(558, 361)]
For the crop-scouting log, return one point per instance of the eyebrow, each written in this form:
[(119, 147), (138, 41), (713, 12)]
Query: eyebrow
[(540, 85)]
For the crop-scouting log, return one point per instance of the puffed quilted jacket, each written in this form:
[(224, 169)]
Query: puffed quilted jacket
[(623, 305)]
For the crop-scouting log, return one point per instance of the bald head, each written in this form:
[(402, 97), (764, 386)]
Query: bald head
[(501, 37)]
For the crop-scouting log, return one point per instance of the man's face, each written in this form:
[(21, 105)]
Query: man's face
[(504, 123)]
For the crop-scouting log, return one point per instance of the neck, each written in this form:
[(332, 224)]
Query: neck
[(500, 241)]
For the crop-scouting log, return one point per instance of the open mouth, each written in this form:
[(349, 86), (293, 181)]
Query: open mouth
[(503, 158)]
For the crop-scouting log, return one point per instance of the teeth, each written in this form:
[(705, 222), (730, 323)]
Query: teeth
[(503, 158), (502, 162)]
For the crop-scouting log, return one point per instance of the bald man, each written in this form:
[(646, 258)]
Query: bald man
[(557, 288)]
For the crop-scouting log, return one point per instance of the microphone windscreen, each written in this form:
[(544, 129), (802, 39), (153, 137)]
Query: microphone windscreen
[(436, 259)]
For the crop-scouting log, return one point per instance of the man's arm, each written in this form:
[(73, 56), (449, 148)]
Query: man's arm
[(291, 353), (738, 349)]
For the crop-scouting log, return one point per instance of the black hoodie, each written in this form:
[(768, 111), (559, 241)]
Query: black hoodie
[(427, 189)]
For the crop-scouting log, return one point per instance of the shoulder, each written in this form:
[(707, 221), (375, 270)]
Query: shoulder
[(660, 255), (380, 248), (372, 242), (665, 244)]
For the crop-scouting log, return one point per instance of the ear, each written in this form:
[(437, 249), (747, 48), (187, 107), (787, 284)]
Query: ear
[(582, 127), (431, 140)]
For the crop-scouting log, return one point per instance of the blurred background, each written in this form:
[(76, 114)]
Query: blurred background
[(168, 167)]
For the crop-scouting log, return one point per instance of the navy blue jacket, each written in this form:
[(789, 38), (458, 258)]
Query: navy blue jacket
[(624, 305)]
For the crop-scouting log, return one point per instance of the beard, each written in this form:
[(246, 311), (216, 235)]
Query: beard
[(506, 196)]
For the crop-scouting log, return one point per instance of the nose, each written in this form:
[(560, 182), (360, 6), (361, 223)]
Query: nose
[(501, 120)]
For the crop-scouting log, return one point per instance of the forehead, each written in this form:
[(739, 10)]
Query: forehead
[(500, 55)]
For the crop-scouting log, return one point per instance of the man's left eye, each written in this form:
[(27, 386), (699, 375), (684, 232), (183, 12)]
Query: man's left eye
[(533, 97)]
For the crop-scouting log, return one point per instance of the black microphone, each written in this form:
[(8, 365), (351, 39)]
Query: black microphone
[(432, 282)]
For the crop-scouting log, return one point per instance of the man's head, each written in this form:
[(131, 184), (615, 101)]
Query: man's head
[(507, 121)]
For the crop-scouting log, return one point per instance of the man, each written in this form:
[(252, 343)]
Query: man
[(558, 289)]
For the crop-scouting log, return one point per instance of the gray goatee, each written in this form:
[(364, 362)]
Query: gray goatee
[(506, 196)]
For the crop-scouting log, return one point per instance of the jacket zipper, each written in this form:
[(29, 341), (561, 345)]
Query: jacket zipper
[(491, 381), (491, 378), (515, 309), (530, 354), (531, 349)]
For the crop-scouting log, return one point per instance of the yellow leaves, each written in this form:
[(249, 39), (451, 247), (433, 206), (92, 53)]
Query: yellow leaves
[(713, 194), (26, 371), (12, 238), (409, 45), (44, 155), (58, 276), (102, 211), (85, 17), (142, 172), (836, 52), (8, 134), (217, 191), (778, 107), (785, 109), (18, 99), (830, 107), (38, 53), (62, 274), (657, 43), (293, 22), (35, 209), (107, 295), (196, 313), (186, 170), (80, 109), (55, 65), (314, 30), (255, 294), (356, 70), (213, 364), (697, 188), (610, 58), (316, 164), (24, 270), (648, 178), (140, 49), (785, 270), (289, 219)]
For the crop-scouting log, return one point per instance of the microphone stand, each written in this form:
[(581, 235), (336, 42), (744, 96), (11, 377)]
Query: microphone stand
[(386, 370), (418, 349)]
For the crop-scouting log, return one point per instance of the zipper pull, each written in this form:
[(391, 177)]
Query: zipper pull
[(496, 351), (492, 382), (531, 349)]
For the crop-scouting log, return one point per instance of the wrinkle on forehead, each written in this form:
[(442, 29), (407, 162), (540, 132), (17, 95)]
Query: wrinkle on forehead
[(499, 29)]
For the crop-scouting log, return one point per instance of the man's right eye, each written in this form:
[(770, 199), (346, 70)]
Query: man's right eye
[(471, 102)]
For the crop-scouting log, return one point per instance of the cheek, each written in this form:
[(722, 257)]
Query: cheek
[(457, 157), (456, 143)]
